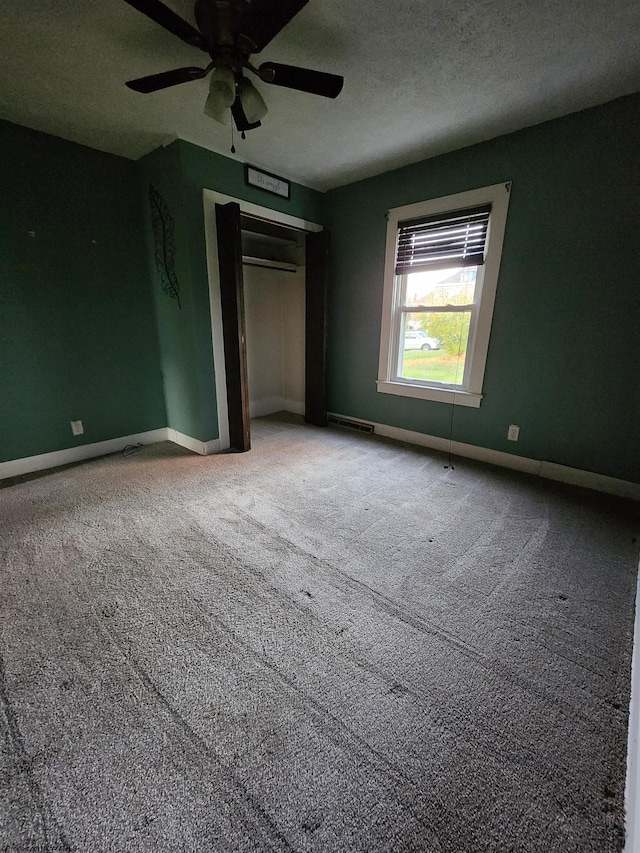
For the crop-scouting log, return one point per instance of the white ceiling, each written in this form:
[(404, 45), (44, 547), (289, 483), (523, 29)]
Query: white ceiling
[(421, 77)]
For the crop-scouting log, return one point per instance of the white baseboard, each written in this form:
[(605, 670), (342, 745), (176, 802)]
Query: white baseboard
[(590, 480), (28, 464), (271, 405), (548, 470), (204, 448), (294, 406), (265, 406)]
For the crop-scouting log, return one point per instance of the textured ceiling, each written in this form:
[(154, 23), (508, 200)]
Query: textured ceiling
[(421, 77)]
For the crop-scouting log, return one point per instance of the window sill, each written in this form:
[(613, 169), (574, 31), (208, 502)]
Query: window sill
[(422, 392)]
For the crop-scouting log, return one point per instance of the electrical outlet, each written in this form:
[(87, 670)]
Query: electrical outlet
[(514, 433), (77, 427)]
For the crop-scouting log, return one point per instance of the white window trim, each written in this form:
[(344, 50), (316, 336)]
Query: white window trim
[(478, 346)]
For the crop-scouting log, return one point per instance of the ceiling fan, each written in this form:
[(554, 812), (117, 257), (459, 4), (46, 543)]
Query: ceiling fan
[(230, 31)]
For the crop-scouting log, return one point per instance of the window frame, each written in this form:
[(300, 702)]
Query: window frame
[(470, 393)]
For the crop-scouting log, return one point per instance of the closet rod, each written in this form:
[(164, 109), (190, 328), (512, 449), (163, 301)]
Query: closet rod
[(283, 266)]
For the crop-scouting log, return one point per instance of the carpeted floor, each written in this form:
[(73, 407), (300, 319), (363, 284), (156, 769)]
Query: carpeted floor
[(330, 643)]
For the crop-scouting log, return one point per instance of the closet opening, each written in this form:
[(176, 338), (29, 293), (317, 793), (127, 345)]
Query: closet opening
[(268, 286), (273, 269)]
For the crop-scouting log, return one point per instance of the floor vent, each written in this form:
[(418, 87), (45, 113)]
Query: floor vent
[(359, 426)]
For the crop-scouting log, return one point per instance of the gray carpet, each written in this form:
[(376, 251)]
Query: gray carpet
[(330, 643)]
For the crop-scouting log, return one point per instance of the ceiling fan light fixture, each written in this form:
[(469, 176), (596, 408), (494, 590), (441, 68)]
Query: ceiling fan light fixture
[(222, 94), (230, 31), (252, 102)]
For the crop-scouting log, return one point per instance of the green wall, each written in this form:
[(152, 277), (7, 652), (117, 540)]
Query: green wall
[(179, 328), (87, 333), (180, 173), (564, 353), (77, 331)]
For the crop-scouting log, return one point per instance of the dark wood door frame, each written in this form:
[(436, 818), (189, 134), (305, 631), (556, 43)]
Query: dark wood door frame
[(315, 365), (229, 240), (233, 323)]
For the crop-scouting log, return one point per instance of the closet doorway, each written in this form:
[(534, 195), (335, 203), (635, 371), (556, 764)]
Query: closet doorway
[(267, 274)]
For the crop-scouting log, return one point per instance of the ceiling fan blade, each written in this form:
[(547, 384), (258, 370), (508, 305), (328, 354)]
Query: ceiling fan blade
[(303, 79), (154, 82), (263, 20), (168, 19), (242, 122)]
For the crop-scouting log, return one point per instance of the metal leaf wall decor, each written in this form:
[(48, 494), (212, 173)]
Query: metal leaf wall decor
[(163, 232)]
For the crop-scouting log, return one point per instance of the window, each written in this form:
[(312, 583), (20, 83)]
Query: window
[(441, 272)]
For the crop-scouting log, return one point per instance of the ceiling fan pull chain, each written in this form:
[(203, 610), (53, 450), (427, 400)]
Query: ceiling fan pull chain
[(243, 135), (233, 147)]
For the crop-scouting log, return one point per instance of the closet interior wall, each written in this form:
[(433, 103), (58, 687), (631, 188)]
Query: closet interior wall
[(274, 294)]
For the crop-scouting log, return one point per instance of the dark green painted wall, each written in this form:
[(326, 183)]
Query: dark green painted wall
[(179, 323), (181, 172), (86, 331), (77, 331), (564, 354)]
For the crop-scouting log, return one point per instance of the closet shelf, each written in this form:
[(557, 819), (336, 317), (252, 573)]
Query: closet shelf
[(285, 266), (269, 238)]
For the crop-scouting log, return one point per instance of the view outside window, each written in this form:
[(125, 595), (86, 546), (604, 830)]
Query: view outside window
[(435, 334)]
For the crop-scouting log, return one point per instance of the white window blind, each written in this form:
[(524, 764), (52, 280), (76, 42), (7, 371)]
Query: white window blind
[(452, 239)]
